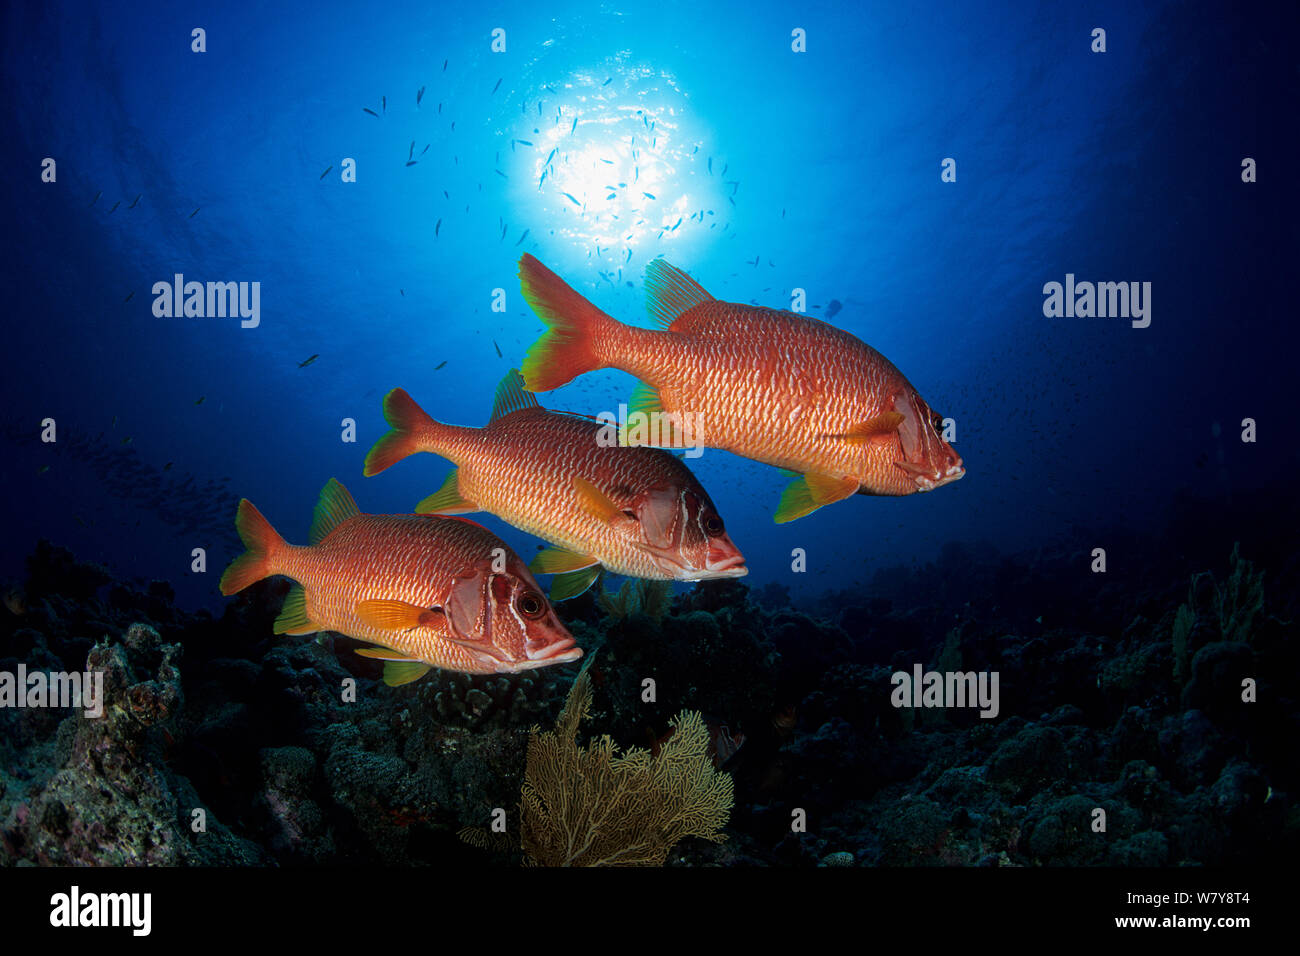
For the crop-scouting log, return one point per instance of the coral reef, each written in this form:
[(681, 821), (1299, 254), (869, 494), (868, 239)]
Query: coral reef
[(1125, 735)]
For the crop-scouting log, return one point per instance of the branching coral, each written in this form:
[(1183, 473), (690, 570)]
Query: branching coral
[(592, 806)]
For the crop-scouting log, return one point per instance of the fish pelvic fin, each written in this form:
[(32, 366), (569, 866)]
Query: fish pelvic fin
[(577, 329), (572, 583), (264, 546), (447, 500), (805, 495), (397, 673), (411, 426)]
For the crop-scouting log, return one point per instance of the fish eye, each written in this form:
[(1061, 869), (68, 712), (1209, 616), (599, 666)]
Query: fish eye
[(937, 421), (531, 605), (713, 525)]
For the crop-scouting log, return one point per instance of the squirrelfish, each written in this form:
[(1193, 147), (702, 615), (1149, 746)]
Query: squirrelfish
[(774, 386), (428, 591), (635, 511)]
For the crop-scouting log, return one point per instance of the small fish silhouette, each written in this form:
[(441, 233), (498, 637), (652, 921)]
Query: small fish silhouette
[(327, 171), (306, 362), (367, 109)]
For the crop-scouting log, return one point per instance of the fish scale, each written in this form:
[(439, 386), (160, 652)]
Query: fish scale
[(410, 558), (520, 467), (786, 405)]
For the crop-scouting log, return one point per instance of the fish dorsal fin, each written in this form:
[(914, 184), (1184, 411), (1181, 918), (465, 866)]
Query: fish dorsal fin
[(511, 397), (334, 507), (670, 292)]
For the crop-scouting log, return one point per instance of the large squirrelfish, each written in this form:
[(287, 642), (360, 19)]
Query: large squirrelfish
[(635, 511), (774, 386), (429, 591)]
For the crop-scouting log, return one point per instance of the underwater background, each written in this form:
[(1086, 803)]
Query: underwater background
[(766, 171)]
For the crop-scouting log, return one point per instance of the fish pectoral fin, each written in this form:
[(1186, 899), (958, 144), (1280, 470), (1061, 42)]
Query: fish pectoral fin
[(397, 615), (447, 500), (293, 617), (397, 673), (560, 561), (884, 425), (573, 583), (805, 495), (597, 503)]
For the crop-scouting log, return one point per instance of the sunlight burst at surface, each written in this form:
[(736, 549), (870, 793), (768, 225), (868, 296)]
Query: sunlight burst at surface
[(613, 165)]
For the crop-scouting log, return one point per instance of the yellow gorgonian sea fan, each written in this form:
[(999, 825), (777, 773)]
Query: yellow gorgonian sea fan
[(595, 806)]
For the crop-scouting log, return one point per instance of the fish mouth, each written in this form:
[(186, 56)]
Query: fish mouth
[(559, 652), (927, 479), (718, 563)]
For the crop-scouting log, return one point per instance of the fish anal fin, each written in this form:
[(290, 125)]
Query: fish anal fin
[(447, 500), (648, 423), (560, 561), (293, 618)]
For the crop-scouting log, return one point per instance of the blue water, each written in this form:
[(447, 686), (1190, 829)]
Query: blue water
[(1122, 166)]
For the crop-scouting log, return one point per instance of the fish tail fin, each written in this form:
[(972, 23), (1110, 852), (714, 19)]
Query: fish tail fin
[(577, 333), (264, 545), (412, 429)]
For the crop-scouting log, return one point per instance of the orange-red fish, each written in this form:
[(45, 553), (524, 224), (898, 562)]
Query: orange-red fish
[(774, 386), (429, 591), (636, 511)]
